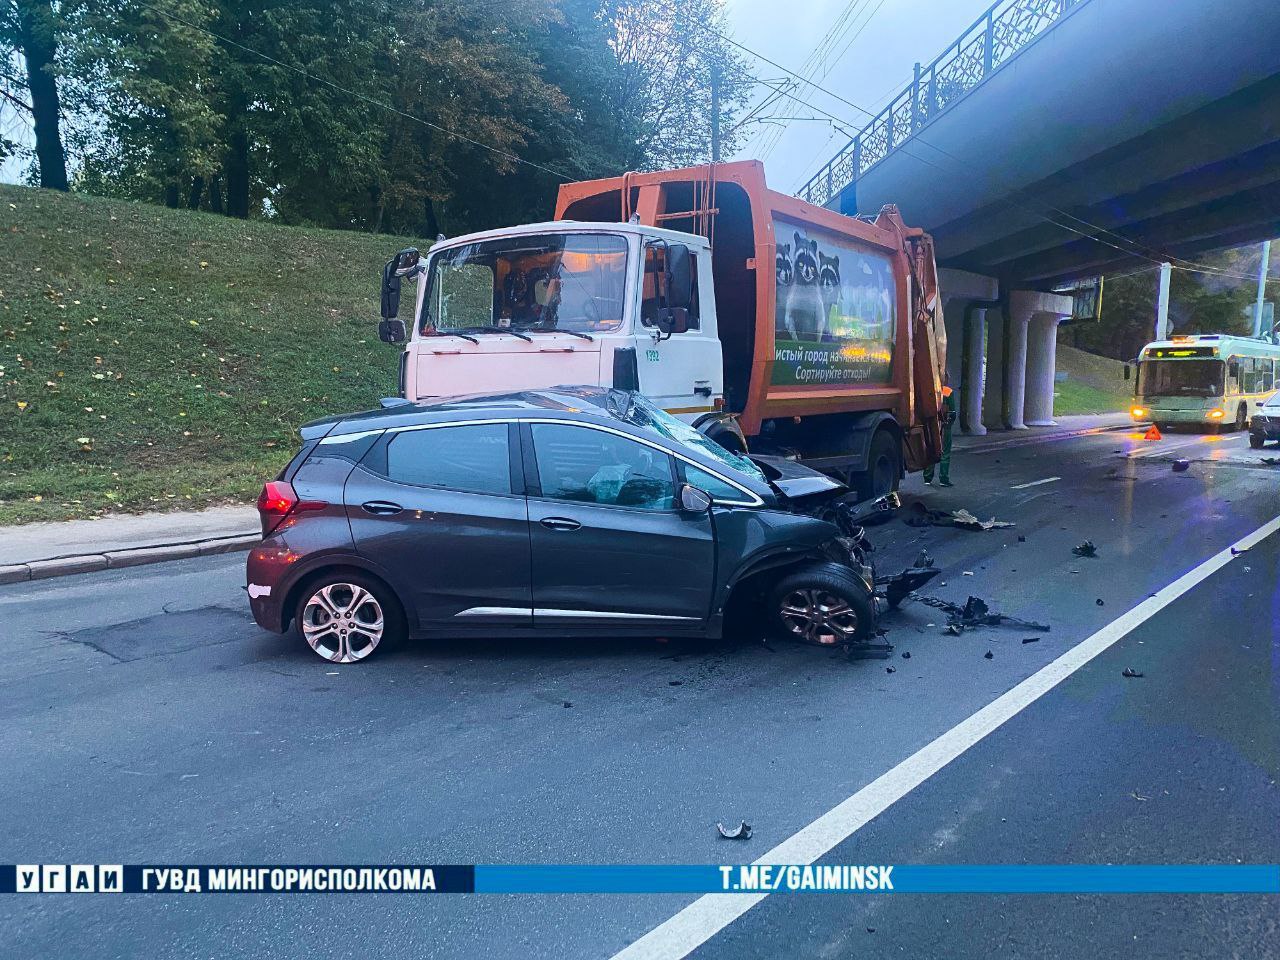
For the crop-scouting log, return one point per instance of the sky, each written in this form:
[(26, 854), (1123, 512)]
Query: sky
[(882, 41), (871, 62)]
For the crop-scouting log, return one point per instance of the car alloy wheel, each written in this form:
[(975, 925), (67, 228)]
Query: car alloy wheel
[(816, 616), (343, 622)]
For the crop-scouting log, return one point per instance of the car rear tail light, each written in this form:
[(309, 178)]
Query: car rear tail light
[(279, 500)]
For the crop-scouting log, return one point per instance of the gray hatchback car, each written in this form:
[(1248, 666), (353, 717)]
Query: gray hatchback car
[(568, 511)]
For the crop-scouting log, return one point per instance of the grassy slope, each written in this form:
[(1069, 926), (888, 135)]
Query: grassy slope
[(1094, 384), (154, 359)]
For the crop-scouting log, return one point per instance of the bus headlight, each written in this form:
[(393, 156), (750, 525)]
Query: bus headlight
[(1138, 413), (1216, 414)]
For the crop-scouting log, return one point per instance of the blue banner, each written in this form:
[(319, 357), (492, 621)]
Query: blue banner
[(753, 878)]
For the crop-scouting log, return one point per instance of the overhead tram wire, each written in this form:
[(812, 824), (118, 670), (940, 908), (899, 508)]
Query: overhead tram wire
[(816, 59), (359, 96), (1128, 251)]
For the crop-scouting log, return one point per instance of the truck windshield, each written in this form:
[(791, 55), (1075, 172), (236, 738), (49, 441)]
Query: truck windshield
[(538, 283), (1180, 378)]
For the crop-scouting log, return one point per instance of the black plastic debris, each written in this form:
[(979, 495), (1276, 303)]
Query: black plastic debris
[(675, 683), (1086, 549), (988, 655), (974, 613), (921, 516), (1270, 461), (1130, 672), (1030, 639), (890, 669), (1021, 538), (900, 586), (741, 832), (906, 654), (1180, 465), (566, 704), (1236, 553), (1100, 602)]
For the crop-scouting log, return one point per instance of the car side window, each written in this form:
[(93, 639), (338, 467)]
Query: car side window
[(710, 483), (474, 458), (592, 466)]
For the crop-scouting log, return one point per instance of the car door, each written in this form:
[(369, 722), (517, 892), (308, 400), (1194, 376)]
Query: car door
[(442, 509), (609, 547)]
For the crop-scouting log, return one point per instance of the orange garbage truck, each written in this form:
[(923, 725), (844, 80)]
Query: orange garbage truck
[(769, 324)]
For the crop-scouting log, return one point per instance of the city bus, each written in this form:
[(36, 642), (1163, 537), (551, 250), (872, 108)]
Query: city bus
[(1213, 381)]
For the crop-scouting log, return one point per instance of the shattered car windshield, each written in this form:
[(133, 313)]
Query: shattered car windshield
[(1180, 378), (540, 283), (636, 410)]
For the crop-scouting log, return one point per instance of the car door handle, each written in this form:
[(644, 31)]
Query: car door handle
[(381, 508), (559, 523)]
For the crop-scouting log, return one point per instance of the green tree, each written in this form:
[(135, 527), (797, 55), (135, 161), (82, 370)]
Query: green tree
[(672, 53), (30, 35)]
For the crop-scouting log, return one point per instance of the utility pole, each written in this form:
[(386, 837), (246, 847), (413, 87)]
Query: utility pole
[(1162, 303), (715, 111), (1262, 287)]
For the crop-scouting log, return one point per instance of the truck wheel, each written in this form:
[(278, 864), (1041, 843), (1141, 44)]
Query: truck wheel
[(884, 467), (824, 604)]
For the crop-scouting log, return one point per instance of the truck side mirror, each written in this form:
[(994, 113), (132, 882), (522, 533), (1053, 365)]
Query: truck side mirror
[(1126, 371), (402, 264), (391, 330), (673, 320), (679, 277)]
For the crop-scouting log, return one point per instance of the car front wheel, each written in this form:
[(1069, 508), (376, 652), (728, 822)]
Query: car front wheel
[(825, 604), (345, 617)]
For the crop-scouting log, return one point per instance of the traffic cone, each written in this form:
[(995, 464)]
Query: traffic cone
[(1153, 433)]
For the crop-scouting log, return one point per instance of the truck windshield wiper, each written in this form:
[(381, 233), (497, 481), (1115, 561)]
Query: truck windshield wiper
[(488, 329), (452, 333), (572, 333)]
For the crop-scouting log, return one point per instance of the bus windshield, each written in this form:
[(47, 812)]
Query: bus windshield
[(1180, 378)]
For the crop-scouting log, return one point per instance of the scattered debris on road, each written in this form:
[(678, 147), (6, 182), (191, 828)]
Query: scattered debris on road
[(921, 516), (1130, 672), (1030, 639), (1086, 549), (1137, 796), (741, 832), (974, 613), (890, 669), (1180, 465), (988, 655), (1100, 602), (1236, 553), (906, 654), (1270, 461)]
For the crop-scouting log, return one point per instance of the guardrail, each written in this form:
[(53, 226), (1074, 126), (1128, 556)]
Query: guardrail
[(992, 40)]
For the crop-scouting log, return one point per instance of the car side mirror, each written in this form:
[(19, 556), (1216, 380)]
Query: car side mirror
[(693, 500), (1126, 371), (391, 331)]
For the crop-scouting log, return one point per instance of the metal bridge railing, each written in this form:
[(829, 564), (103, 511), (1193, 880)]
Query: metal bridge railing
[(995, 37)]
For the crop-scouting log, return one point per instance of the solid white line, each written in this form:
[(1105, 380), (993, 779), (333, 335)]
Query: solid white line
[(1034, 483), (705, 917)]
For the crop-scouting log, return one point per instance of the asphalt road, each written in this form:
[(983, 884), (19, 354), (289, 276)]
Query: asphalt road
[(147, 720)]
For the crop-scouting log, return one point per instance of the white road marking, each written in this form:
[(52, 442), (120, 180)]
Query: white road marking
[(1033, 483), (697, 923), (1157, 447)]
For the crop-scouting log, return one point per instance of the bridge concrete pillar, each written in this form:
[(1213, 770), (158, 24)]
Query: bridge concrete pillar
[(953, 320), (1042, 352), (1021, 310), (993, 388), (973, 377)]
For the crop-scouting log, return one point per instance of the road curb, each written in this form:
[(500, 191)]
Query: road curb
[(65, 566), (1025, 438)]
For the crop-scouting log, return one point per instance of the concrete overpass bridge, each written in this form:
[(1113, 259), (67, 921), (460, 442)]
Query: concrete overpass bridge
[(1064, 139)]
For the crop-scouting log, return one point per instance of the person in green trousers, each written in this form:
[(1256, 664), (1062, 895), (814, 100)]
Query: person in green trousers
[(948, 419)]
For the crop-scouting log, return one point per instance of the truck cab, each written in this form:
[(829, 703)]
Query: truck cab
[(563, 302)]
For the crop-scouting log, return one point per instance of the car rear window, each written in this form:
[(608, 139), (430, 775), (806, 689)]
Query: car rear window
[(474, 458)]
